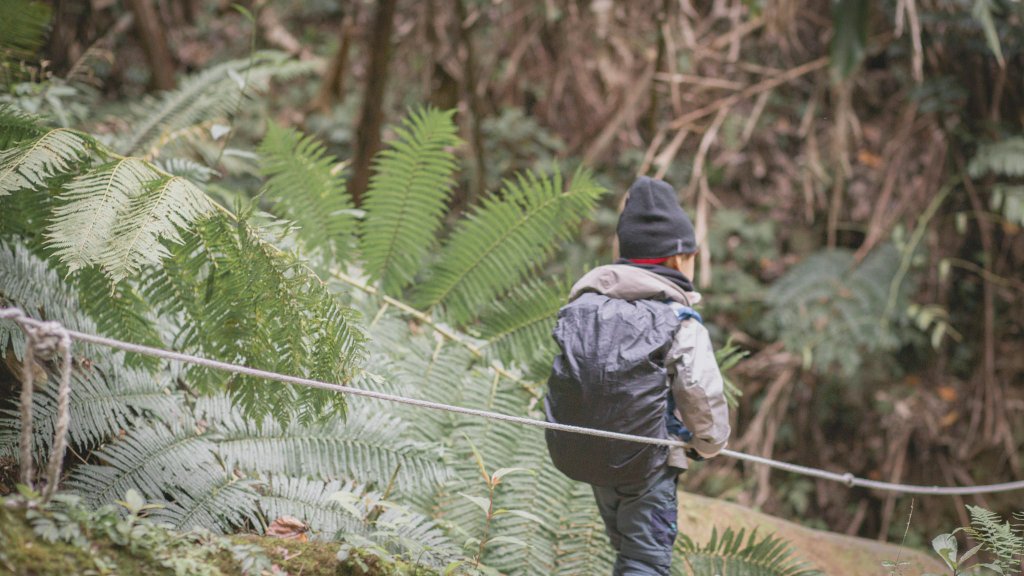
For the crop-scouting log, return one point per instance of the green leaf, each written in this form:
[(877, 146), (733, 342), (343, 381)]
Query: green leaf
[(211, 94), (502, 472), (407, 197), (945, 546), (506, 238), (526, 515), (483, 503)]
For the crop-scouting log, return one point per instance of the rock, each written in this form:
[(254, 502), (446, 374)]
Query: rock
[(832, 553)]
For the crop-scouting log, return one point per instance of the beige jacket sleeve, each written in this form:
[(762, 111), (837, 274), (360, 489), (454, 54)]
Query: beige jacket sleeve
[(697, 386)]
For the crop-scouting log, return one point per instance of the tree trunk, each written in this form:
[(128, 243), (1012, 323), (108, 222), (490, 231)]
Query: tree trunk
[(368, 130), (473, 106), (332, 89), (154, 42)]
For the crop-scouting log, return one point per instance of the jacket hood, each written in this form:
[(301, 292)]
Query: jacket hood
[(631, 283)]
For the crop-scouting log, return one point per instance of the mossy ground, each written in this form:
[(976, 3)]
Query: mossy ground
[(24, 553)]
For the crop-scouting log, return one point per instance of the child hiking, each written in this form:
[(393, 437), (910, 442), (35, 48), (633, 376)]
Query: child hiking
[(635, 358)]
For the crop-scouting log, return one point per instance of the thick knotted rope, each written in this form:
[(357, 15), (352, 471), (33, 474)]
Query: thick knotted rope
[(843, 478), (44, 341)]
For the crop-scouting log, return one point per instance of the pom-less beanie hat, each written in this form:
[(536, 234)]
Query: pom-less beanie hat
[(652, 224)]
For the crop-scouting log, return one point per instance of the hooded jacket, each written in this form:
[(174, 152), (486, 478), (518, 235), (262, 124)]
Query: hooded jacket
[(634, 309)]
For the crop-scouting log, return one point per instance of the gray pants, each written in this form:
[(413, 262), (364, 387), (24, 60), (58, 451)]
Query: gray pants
[(640, 520)]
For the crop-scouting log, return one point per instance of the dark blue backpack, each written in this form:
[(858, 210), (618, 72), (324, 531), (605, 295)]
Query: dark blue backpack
[(610, 375)]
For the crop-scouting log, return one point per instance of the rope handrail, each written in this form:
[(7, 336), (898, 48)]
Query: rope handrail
[(844, 478)]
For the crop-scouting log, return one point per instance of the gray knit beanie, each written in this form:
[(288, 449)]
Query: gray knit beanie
[(652, 224)]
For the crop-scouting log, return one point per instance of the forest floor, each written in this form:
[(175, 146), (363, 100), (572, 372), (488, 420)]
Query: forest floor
[(23, 553), (830, 552)]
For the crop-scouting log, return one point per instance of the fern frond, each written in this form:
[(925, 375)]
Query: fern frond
[(214, 500), (149, 459), (159, 213), (311, 501), (118, 310), (581, 546), (506, 238), (318, 504), (32, 163), (28, 282), (93, 204), (1004, 158), (998, 537), (739, 553), (369, 446), (23, 26), (419, 365), (303, 184), (407, 197), (106, 399), (16, 125), (241, 300), (212, 93), (186, 168), (499, 443), (832, 311), (518, 327)]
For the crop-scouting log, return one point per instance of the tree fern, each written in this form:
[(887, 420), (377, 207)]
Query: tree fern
[(999, 537), (831, 310), (407, 196), (305, 188), (33, 162), (212, 93), (738, 553), (504, 239)]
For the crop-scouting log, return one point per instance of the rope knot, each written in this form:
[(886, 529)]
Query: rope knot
[(849, 479), (46, 338)]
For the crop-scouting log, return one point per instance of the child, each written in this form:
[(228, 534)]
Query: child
[(630, 342)]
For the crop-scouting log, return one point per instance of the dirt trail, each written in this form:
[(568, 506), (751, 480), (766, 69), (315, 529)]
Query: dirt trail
[(834, 554)]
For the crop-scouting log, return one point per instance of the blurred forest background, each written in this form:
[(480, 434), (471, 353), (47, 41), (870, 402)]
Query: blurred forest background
[(855, 170)]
